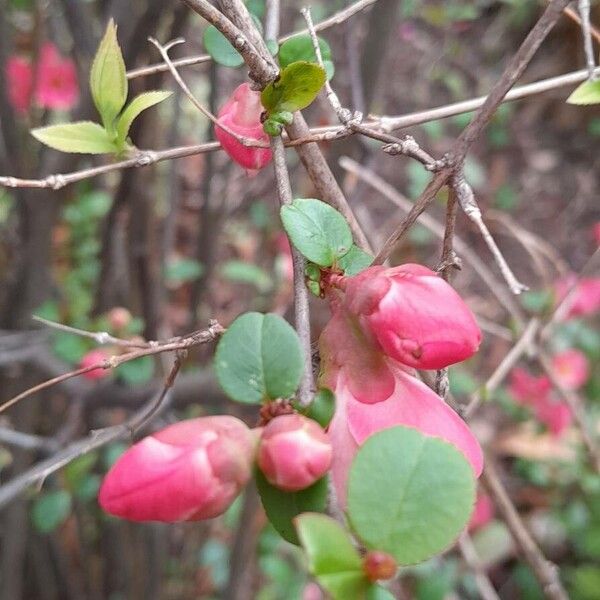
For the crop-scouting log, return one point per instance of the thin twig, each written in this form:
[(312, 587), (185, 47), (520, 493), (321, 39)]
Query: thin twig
[(301, 307), (193, 339), (335, 19), (469, 553), (100, 337), (329, 133), (586, 31), (466, 200), (545, 571)]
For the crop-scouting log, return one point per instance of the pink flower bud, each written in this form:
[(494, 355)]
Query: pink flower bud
[(379, 565), (527, 389), (554, 414), (56, 85), (241, 113), (119, 318), (94, 357), (19, 77), (294, 452), (585, 299), (483, 512), (416, 317), (571, 368), (190, 471), (412, 404)]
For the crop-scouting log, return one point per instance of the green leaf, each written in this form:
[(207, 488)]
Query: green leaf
[(297, 86), (243, 272), (355, 261), (281, 507), (332, 558), (376, 592), (317, 230), (136, 106), (136, 372), (183, 270), (409, 494), (108, 79), (586, 93), (220, 49), (50, 510), (69, 347), (81, 137), (322, 407), (259, 358), (300, 47)]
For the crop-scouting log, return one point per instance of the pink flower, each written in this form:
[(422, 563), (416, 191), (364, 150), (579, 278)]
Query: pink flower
[(411, 404), (586, 297), (294, 452), (416, 317), (94, 357), (555, 415), (571, 368), (19, 76), (596, 233), (56, 85), (241, 113), (190, 471), (483, 512), (527, 389)]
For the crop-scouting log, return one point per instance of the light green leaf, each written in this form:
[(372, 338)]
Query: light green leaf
[(259, 358), (322, 407), (317, 230), (587, 93), (243, 272), (108, 79), (300, 47), (332, 558), (81, 137), (218, 46), (297, 86), (182, 270), (50, 510), (282, 507), (136, 372), (355, 261), (409, 494), (136, 106)]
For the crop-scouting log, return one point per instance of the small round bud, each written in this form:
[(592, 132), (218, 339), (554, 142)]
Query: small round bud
[(94, 357), (119, 318), (294, 452), (379, 565)]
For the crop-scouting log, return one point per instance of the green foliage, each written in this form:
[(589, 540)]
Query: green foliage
[(355, 261), (50, 509), (243, 272), (334, 561), (411, 507), (282, 507), (108, 86), (317, 230), (586, 93), (220, 49), (183, 270), (300, 47), (108, 79), (259, 358), (298, 85), (136, 372), (322, 407)]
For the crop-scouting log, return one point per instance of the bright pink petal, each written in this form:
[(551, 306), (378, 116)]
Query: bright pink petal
[(572, 368), (56, 85), (19, 76), (483, 512), (527, 389)]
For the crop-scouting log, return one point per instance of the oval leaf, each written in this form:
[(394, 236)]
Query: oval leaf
[(297, 86), (220, 49), (300, 47), (317, 230), (587, 93), (408, 494), (50, 510), (81, 137), (355, 261), (282, 507), (259, 358), (136, 106), (108, 79), (332, 558)]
